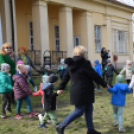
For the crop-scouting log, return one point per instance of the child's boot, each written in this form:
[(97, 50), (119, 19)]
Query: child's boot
[(122, 130), (59, 129), (18, 116), (3, 116), (31, 114), (42, 125), (93, 131), (116, 124)]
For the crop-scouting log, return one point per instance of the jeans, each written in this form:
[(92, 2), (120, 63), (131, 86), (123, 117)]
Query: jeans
[(6, 99), (31, 80), (118, 117), (79, 110), (28, 102), (50, 115), (109, 80)]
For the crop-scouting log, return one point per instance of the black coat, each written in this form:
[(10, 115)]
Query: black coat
[(82, 75), (104, 56), (49, 98)]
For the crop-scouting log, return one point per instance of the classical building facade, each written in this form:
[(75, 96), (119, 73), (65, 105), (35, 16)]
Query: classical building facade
[(60, 25)]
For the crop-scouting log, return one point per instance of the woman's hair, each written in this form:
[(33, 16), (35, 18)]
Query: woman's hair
[(102, 49), (4, 66), (80, 51), (22, 47), (2, 51)]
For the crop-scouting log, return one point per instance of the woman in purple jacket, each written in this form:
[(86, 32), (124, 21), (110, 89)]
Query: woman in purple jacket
[(22, 91)]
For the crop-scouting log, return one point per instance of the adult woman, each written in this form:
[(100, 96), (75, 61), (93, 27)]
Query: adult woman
[(27, 61), (104, 56), (7, 56), (82, 75)]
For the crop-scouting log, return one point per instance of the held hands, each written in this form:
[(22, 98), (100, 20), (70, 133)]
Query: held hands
[(107, 87), (59, 92)]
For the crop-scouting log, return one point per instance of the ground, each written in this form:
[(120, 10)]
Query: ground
[(103, 116)]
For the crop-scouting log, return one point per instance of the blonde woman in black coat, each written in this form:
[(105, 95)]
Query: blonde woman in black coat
[(82, 75)]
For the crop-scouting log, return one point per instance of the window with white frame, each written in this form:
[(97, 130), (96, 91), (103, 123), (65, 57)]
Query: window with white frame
[(76, 41), (31, 35), (97, 30), (125, 42), (115, 45), (57, 38), (121, 42), (1, 42)]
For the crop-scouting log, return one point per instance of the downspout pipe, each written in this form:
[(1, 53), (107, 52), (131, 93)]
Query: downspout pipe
[(12, 23)]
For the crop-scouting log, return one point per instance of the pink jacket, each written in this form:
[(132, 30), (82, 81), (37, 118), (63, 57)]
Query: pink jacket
[(40, 92)]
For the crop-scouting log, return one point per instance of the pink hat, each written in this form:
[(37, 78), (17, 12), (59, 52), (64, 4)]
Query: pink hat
[(20, 62)]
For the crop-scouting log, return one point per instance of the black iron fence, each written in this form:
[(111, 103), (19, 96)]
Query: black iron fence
[(56, 56), (35, 56)]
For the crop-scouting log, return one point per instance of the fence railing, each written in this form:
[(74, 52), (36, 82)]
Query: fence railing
[(56, 56)]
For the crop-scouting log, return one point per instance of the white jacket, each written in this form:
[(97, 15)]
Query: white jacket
[(128, 71), (131, 85)]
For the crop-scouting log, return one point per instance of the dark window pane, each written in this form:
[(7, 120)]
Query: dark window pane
[(31, 25), (31, 32), (31, 40)]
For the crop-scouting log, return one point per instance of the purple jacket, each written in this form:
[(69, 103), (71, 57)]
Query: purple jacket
[(21, 86)]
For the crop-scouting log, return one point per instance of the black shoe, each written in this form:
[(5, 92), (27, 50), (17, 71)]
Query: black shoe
[(8, 109), (93, 131), (60, 130), (14, 102)]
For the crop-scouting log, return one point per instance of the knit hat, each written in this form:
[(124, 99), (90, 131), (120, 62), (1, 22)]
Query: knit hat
[(119, 79), (108, 61), (20, 62), (96, 62), (62, 61), (47, 66), (128, 62), (53, 78), (4, 66)]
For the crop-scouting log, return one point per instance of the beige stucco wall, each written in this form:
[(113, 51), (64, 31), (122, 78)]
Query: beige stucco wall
[(2, 13), (119, 19), (23, 16)]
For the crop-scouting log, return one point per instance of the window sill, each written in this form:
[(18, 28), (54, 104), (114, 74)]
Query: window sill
[(97, 51), (121, 54)]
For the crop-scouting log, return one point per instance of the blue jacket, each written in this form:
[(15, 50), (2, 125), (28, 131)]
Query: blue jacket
[(97, 69), (119, 92)]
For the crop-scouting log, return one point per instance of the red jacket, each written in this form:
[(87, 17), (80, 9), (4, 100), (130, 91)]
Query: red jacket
[(40, 92)]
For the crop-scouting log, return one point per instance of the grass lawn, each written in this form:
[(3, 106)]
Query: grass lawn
[(103, 116)]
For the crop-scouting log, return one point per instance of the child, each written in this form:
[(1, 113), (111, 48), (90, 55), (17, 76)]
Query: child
[(118, 99), (128, 70), (29, 78), (22, 91), (108, 71), (47, 71), (62, 68), (5, 90), (97, 69), (49, 101)]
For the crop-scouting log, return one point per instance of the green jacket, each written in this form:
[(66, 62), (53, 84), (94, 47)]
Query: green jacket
[(5, 83), (6, 59)]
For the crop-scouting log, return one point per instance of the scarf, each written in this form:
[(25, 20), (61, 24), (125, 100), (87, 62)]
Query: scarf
[(11, 56), (23, 58)]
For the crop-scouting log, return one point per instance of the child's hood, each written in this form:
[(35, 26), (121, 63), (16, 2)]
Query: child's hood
[(46, 86), (98, 65), (122, 87), (16, 76)]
